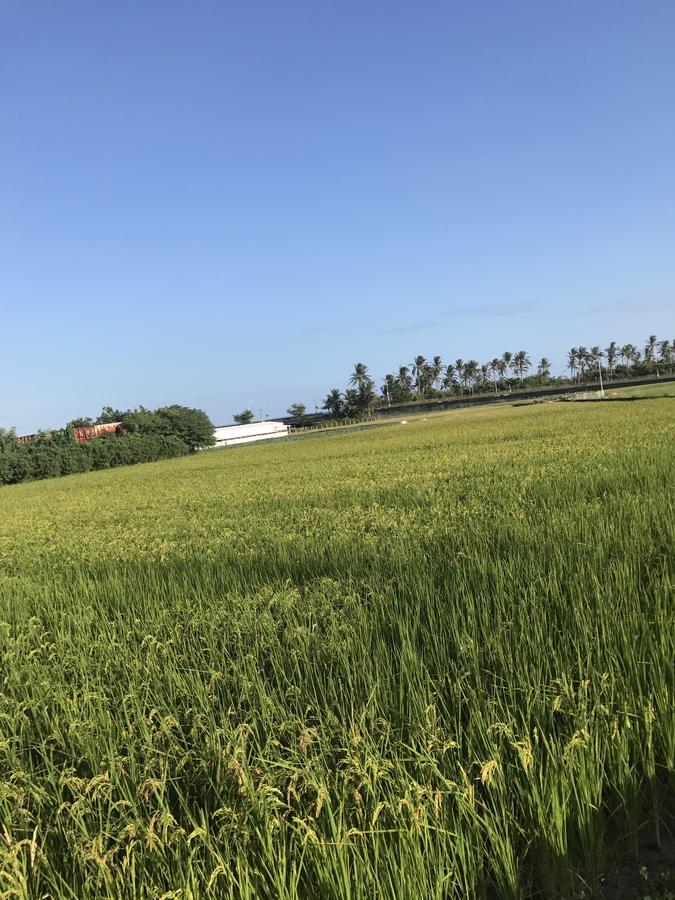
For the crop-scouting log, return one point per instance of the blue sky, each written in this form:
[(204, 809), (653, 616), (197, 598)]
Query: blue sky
[(228, 204)]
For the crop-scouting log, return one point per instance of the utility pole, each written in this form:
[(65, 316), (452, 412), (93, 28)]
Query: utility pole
[(602, 390)]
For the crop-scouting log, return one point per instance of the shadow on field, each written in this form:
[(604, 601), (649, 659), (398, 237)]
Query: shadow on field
[(647, 873)]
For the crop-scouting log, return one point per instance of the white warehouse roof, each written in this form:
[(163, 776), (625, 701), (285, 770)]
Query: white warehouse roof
[(226, 435)]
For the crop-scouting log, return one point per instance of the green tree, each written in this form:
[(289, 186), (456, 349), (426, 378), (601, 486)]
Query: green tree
[(449, 378), (612, 353), (367, 397), (572, 362), (650, 348), (629, 354), (419, 368), (470, 373), (435, 370), (245, 417), (82, 422), (108, 414), (351, 403), (334, 403), (192, 426), (359, 376), (521, 364), (595, 356), (299, 413), (404, 382), (494, 369), (459, 370), (507, 359)]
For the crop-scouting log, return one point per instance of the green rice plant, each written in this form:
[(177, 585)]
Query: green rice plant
[(430, 661)]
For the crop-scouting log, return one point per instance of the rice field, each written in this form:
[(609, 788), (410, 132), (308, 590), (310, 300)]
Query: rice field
[(431, 660)]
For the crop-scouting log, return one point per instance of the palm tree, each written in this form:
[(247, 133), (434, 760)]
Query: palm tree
[(611, 352), (572, 361), (470, 373), (459, 369), (507, 359), (650, 348), (360, 376), (403, 378), (502, 369), (582, 361), (435, 370), (544, 367), (449, 377), (665, 352), (595, 355), (521, 363), (628, 352), (419, 368), (494, 368), (351, 405), (367, 396), (334, 403)]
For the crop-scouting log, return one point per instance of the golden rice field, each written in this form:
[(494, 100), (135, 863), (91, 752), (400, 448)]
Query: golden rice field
[(421, 661)]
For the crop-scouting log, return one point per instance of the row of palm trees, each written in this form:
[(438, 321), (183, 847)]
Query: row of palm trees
[(430, 378), (424, 375), (581, 360)]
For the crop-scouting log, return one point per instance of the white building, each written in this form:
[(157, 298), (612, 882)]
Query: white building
[(228, 435)]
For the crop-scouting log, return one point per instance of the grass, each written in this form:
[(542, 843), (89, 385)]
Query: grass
[(421, 661), (667, 389)]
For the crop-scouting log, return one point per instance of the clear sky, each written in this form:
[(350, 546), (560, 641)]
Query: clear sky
[(228, 204)]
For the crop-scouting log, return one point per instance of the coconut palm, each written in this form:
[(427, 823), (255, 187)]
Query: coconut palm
[(521, 363), (367, 396), (666, 352), (403, 378), (494, 369), (470, 373), (351, 403), (595, 356), (628, 352), (459, 369), (449, 377), (419, 368), (435, 370), (502, 368), (612, 352), (360, 376), (544, 367), (650, 348), (573, 362), (507, 359), (582, 361), (334, 403)]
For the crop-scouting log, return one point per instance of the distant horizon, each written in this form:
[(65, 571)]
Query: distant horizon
[(379, 379), (227, 206)]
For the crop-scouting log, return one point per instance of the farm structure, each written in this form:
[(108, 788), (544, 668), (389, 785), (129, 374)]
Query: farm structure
[(228, 435), (89, 432), (82, 433)]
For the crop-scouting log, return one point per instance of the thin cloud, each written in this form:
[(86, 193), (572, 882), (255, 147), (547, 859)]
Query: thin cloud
[(636, 304), (496, 309), (485, 310), (349, 327)]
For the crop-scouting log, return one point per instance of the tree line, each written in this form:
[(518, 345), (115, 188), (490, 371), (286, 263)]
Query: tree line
[(144, 436), (424, 379)]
